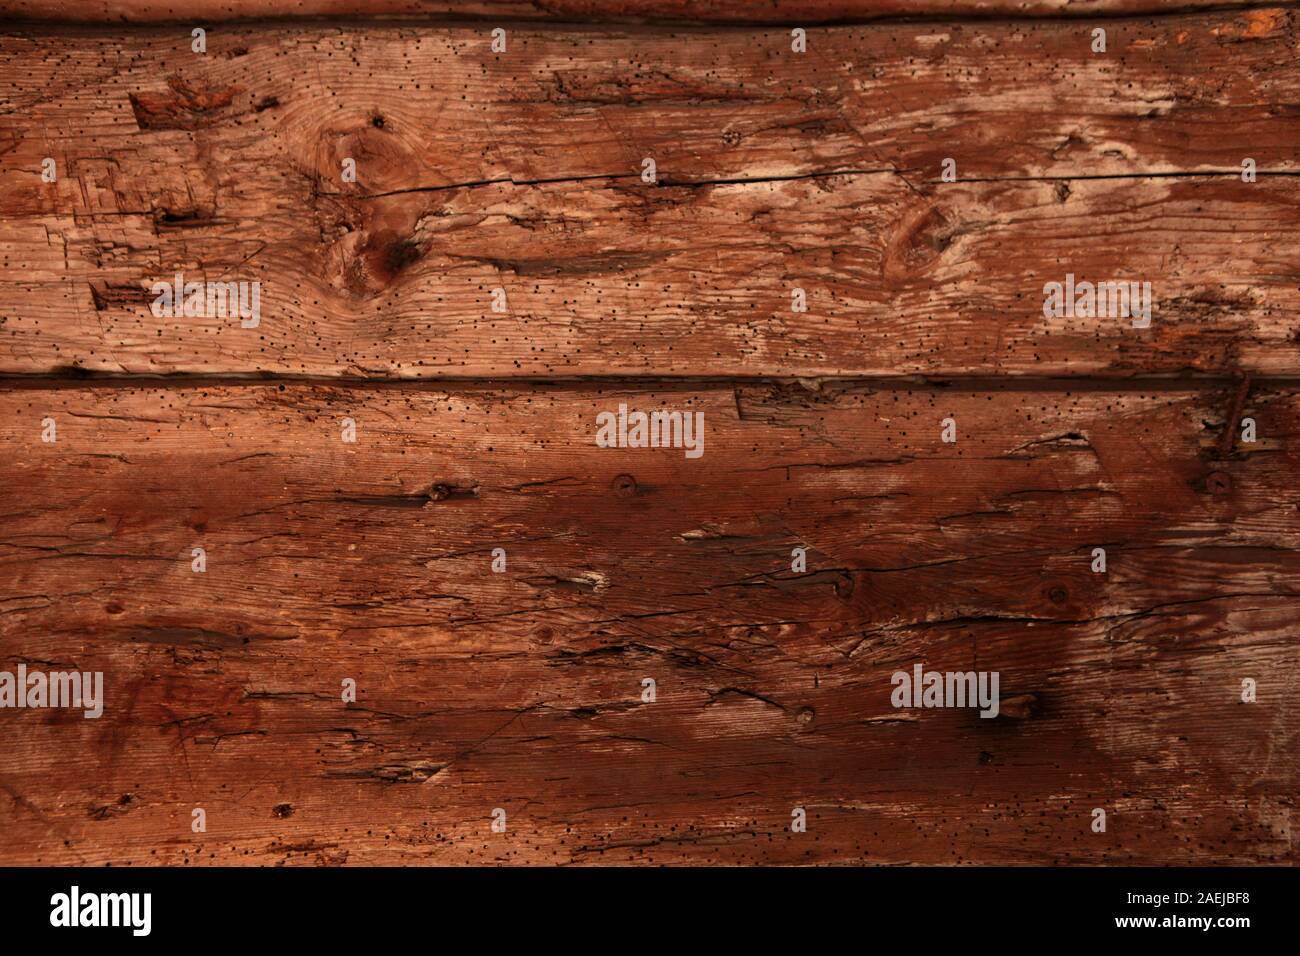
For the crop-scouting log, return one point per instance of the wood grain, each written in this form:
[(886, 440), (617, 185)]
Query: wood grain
[(776, 170), (697, 11), (521, 689)]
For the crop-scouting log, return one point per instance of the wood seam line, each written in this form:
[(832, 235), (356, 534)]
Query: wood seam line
[(668, 182)]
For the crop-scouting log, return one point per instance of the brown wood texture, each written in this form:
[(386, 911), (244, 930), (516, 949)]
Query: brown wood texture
[(521, 689), (521, 171), (699, 11)]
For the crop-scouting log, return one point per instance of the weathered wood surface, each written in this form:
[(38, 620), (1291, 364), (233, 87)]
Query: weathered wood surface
[(520, 689), (521, 171), (700, 11)]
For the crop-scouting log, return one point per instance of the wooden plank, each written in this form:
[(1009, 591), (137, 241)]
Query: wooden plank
[(521, 171), (521, 689), (699, 11)]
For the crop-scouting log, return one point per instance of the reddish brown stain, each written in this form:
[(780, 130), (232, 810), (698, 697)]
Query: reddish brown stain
[(524, 687)]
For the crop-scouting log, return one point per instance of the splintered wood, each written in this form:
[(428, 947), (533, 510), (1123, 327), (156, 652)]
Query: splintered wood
[(649, 440)]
